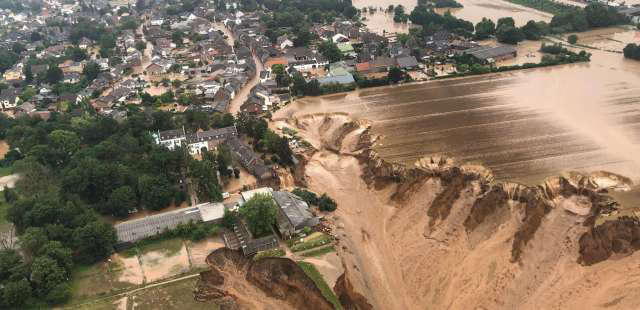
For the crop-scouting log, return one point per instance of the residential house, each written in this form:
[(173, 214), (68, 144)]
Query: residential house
[(13, 74), (283, 42), (248, 159), (407, 62), (340, 38), (293, 214), (346, 50), (71, 77), (488, 54), (9, 98), (303, 59)]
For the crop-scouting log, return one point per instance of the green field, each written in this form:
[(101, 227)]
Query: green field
[(176, 295), (316, 241), (4, 171), (96, 280), (319, 252), (4, 224), (315, 275)]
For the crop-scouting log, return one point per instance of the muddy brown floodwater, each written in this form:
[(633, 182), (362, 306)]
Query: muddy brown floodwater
[(473, 11), (523, 125)]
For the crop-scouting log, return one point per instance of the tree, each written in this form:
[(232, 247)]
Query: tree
[(229, 219), (56, 251), (59, 294), (94, 241), (532, 30), (28, 74), (299, 84), (509, 34), (303, 38), (155, 192), (91, 71), (330, 50), (53, 74), (122, 201), (63, 144), (260, 214), (46, 275), (16, 293), (505, 21), (485, 28), (395, 75), (326, 203), (32, 240), (177, 37), (632, 51), (572, 39), (141, 46), (17, 48)]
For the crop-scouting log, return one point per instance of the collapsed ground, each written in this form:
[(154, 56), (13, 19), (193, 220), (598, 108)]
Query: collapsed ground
[(447, 236)]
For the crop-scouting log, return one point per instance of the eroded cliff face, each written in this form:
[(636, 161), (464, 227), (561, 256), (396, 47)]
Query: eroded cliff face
[(236, 282), (445, 235)]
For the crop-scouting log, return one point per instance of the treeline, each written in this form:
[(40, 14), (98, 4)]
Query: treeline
[(265, 140), (324, 202), (557, 55), (632, 51), (566, 19), (74, 168)]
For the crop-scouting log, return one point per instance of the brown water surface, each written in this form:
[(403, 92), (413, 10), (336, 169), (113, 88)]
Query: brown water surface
[(523, 125), (473, 11)]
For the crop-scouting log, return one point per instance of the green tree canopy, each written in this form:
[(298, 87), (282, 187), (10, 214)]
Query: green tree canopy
[(485, 28), (260, 214)]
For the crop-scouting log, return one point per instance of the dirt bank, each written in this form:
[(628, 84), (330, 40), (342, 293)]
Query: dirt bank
[(236, 282), (4, 148), (445, 234)]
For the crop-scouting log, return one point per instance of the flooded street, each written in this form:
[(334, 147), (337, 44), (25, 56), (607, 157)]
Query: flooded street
[(523, 125)]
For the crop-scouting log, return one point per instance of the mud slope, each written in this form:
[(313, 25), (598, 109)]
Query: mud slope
[(236, 282), (446, 236)]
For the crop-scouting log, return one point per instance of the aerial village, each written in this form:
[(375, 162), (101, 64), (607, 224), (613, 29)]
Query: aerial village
[(147, 122)]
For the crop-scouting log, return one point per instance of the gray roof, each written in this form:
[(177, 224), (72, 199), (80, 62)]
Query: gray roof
[(295, 209), (407, 62), (630, 11), (213, 134), (340, 79), (486, 52), (135, 230)]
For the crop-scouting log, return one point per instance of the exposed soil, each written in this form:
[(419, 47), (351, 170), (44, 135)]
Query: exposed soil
[(237, 282), (4, 148), (446, 235), (159, 265)]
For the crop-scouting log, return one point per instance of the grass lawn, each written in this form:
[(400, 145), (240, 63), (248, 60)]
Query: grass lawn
[(4, 171), (4, 224), (170, 246), (176, 295), (315, 275), (310, 243), (319, 252), (270, 253), (95, 280), (107, 304)]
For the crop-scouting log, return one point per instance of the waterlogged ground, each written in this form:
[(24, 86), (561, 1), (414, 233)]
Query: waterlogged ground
[(472, 10), (523, 125)]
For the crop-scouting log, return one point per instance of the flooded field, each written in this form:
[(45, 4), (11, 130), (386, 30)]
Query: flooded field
[(473, 11), (523, 125)]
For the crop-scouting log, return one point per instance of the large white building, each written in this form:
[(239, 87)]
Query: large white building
[(194, 142)]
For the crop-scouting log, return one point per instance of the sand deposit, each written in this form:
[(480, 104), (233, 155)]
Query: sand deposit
[(131, 271), (4, 148), (200, 250), (159, 265)]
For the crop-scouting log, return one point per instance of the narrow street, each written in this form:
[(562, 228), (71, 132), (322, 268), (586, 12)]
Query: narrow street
[(243, 94)]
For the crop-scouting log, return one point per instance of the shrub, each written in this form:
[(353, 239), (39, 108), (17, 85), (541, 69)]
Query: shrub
[(573, 39), (326, 203)]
